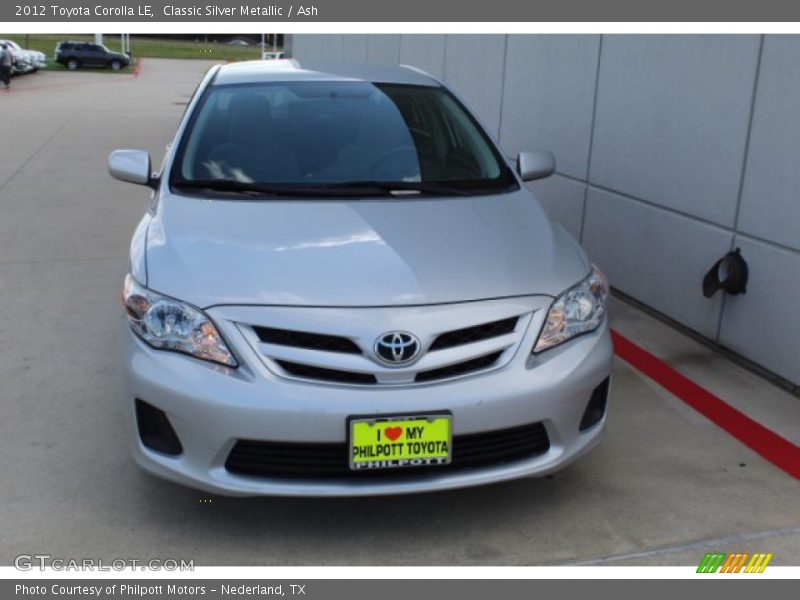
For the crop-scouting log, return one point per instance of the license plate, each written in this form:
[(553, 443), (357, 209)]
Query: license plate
[(400, 442)]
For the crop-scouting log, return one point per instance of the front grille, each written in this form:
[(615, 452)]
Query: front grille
[(477, 333), (466, 350), (330, 460), (462, 368), (322, 374), (339, 376), (309, 341)]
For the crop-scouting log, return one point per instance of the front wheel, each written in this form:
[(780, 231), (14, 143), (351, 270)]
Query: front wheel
[(115, 65), (73, 64)]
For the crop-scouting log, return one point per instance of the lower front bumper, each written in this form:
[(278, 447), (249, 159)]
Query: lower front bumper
[(211, 407)]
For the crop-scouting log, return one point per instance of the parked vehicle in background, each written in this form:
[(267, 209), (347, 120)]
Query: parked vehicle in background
[(24, 61), (39, 59), (75, 55)]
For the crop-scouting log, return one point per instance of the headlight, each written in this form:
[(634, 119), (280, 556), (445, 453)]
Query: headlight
[(578, 310), (169, 324)]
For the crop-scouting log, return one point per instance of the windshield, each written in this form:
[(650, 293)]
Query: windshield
[(319, 135)]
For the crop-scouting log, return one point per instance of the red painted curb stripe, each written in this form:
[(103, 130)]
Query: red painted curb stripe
[(779, 451)]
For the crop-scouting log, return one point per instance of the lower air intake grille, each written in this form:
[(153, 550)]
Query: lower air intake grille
[(315, 461), (155, 430)]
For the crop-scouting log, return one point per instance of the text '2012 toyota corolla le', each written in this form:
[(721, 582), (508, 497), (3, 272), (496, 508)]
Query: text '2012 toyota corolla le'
[(341, 288)]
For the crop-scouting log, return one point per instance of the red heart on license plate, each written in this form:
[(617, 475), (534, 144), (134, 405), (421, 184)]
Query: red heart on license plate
[(393, 432)]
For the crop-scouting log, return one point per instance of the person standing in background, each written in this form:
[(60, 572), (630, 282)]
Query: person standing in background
[(5, 65)]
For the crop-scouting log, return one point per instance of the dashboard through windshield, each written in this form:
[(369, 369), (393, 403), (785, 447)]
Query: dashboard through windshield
[(336, 137)]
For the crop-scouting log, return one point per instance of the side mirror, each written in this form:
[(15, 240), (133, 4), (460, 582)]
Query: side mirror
[(535, 165), (132, 166)]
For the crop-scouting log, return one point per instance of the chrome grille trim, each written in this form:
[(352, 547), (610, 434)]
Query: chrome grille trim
[(363, 326)]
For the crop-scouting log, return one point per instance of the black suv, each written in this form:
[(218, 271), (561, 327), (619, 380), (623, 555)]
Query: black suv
[(86, 54)]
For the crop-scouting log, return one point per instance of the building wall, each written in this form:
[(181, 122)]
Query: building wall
[(671, 151)]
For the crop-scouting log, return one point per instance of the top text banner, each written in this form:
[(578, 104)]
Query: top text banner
[(176, 11)]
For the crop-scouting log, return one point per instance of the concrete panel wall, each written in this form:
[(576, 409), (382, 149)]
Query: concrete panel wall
[(549, 97), (771, 196), (671, 151), (383, 49), (425, 52), (763, 324), (474, 68), (305, 46), (354, 48), (672, 118), (332, 45), (636, 244)]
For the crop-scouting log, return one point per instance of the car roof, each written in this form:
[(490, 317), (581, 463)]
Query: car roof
[(255, 71)]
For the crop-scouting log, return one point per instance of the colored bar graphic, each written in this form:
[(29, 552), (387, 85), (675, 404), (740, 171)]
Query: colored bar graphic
[(766, 562), (727, 567), (755, 562), (701, 568), (711, 562), (734, 563), (740, 562)]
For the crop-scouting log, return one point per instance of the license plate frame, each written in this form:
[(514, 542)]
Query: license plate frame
[(404, 460)]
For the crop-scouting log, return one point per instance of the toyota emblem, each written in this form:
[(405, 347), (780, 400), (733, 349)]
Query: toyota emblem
[(397, 348)]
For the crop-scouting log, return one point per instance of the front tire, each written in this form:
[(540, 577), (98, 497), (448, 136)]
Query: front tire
[(115, 65), (73, 64)]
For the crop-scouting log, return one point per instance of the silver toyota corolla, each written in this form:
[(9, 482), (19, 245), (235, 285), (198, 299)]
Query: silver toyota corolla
[(342, 287)]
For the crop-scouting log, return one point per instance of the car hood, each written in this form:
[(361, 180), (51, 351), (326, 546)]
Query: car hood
[(336, 252)]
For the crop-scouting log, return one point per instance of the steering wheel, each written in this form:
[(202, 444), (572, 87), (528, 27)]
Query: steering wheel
[(395, 154)]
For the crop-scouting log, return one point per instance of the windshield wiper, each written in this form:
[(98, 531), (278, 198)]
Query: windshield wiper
[(244, 188), (367, 188), (401, 188)]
